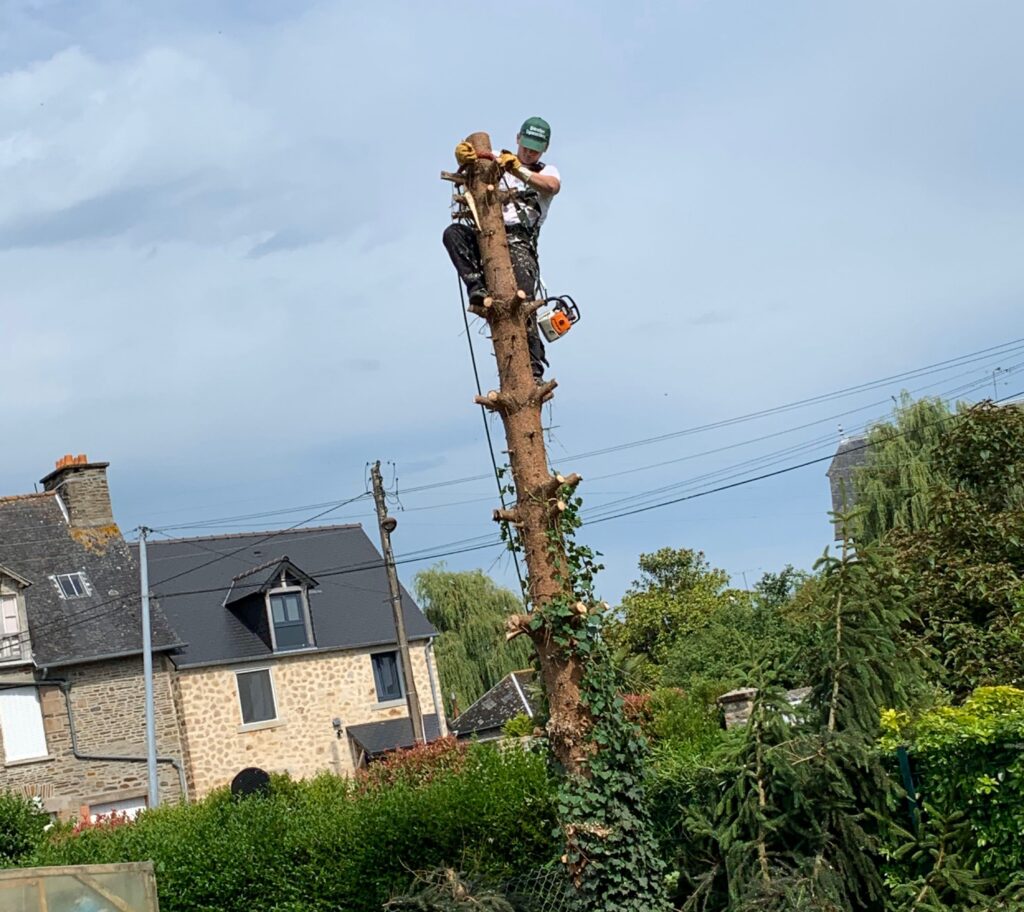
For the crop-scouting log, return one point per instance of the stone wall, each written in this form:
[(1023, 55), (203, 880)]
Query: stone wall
[(83, 487), (108, 703), (311, 690)]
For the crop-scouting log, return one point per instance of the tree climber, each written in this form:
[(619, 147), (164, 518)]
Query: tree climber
[(536, 183)]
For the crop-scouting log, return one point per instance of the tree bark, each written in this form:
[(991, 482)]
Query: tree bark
[(518, 401)]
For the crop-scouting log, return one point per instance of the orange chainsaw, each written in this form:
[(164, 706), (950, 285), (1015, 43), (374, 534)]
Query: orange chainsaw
[(557, 316)]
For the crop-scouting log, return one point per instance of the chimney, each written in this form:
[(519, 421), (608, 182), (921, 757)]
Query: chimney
[(82, 486)]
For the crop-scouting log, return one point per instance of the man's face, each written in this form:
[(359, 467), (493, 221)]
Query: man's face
[(527, 156)]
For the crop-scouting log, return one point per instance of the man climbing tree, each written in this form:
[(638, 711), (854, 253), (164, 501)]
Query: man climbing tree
[(531, 184)]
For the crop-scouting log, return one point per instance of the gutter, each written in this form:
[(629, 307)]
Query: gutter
[(65, 686)]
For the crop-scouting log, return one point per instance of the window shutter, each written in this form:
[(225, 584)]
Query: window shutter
[(21, 722)]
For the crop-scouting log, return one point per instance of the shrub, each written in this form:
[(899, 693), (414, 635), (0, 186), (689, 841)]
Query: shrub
[(968, 762), (329, 843), (22, 823)]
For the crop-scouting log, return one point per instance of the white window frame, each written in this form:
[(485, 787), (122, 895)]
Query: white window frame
[(17, 637), (396, 701), (8, 721), (82, 578), (283, 589), (263, 723)]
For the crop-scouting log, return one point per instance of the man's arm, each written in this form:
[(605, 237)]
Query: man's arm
[(546, 183)]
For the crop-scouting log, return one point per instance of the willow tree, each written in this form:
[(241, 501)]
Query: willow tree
[(893, 488), (469, 612)]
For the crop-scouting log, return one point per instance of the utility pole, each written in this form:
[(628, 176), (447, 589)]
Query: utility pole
[(147, 672), (518, 401), (387, 525)]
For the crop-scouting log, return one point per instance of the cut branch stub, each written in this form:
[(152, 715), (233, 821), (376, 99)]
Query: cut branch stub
[(516, 625), (510, 516)]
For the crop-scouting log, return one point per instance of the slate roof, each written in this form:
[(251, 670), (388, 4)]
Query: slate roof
[(380, 737), (851, 454), (36, 543), (504, 701), (350, 608)]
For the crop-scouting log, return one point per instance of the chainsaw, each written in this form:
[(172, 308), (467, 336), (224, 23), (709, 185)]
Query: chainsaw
[(557, 316)]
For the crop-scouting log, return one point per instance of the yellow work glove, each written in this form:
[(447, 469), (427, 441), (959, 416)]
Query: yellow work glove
[(464, 153), (509, 161)]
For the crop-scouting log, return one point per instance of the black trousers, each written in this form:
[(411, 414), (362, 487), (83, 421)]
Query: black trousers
[(462, 246)]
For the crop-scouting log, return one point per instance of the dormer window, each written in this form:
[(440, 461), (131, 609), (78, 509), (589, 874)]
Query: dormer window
[(289, 616), (72, 585), (272, 600)]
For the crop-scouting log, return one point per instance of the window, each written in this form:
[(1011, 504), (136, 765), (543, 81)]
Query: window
[(387, 675), (21, 723), (10, 628), (289, 616), (72, 585), (256, 696)]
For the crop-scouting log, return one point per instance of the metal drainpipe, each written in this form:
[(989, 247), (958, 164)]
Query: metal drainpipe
[(65, 687)]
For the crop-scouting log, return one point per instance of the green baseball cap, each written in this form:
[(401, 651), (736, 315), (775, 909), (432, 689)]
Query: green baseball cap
[(535, 133)]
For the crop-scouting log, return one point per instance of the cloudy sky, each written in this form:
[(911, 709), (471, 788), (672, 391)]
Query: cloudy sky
[(222, 271)]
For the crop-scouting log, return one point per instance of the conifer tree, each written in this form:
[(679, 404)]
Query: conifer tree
[(801, 825)]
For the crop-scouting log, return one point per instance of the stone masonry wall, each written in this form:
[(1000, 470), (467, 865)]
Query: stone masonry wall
[(311, 690), (85, 492), (108, 701)]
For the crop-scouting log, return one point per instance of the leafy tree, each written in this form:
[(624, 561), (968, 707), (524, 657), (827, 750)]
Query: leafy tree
[(743, 631), (892, 490), (469, 612), (677, 593), (774, 591), (965, 570)]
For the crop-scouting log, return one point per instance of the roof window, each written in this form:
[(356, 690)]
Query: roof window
[(72, 585)]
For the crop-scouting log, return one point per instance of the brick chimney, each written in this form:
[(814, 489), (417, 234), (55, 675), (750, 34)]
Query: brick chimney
[(82, 486)]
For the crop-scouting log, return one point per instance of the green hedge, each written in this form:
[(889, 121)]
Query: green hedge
[(968, 762), (328, 844)]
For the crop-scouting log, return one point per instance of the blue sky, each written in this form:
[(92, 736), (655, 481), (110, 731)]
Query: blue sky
[(220, 242)]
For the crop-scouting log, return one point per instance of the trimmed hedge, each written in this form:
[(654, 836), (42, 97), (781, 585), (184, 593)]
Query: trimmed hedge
[(969, 760), (328, 844)]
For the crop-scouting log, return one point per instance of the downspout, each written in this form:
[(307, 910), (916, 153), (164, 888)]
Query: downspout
[(65, 687), (442, 722)]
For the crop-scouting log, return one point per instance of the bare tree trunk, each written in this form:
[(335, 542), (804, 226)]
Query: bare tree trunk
[(535, 516)]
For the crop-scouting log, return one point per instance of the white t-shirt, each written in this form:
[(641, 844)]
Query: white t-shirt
[(533, 210)]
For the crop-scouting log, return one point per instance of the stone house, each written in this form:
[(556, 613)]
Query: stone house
[(72, 707), (290, 660)]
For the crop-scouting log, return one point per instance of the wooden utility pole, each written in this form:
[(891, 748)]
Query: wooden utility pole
[(535, 516), (387, 525)]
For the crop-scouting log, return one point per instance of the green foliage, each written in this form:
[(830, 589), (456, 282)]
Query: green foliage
[(965, 572), (329, 843), (893, 489), (677, 593), (969, 765), (22, 824), (519, 726), (469, 612), (793, 811), (610, 845)]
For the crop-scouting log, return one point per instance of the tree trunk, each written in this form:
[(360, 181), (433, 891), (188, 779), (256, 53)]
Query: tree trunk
[(518, 401)]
